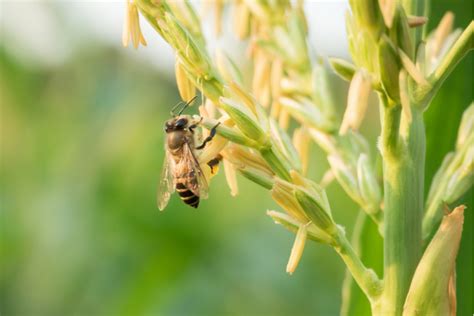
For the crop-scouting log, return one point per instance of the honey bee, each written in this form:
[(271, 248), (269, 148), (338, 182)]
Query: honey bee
[(181, 169)]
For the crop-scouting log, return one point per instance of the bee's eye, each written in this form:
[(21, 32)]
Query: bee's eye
[(181, 123)]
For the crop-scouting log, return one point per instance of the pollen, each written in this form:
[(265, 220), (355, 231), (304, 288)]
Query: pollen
[(444, 28), (357, 102), (297, 250), (131, 27), (186, 88)]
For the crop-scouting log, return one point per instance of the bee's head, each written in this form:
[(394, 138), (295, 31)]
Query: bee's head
[(176, 124)]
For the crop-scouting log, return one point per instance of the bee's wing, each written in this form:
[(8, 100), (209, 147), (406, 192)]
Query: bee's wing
[(166, 185), (196, 181)]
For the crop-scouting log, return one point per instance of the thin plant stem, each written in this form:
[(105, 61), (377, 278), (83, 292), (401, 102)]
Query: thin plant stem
[(348, 296), (366, 278)]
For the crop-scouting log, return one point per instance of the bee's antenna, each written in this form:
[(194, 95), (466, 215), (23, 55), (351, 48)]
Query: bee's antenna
[(186, 105), (175, 107)]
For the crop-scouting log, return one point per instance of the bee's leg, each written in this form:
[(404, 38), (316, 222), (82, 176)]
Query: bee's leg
[(193, 126), (209, 138), (214, 163)]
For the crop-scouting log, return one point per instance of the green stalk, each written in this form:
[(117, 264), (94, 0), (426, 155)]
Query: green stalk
[(404, 158), (353, 302), (366, 278)]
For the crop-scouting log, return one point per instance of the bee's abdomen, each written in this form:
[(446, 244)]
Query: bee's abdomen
[(187, 195)]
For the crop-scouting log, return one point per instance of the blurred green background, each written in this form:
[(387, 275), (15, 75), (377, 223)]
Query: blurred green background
[(81, 153)]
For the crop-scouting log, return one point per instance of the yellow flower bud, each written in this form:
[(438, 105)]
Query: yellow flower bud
[(186, 87), (387, 7), (357, 102), (466, 128), (297, 249), (131, 27), (444, 28), (415, 21), (262, 73), (283, 194), (241, 20), (231, 177), (302, 142), (276, 76)]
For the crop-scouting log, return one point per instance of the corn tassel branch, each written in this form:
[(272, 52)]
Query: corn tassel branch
[(390, 57)]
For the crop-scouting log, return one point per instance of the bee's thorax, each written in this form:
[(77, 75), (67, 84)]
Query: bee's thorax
[(177, 139)]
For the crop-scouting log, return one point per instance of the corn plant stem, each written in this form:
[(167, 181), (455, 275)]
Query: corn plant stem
[(366, 278), (403, 152)]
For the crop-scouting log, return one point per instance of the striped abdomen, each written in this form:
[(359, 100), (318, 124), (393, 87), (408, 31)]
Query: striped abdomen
[(187, 195)]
